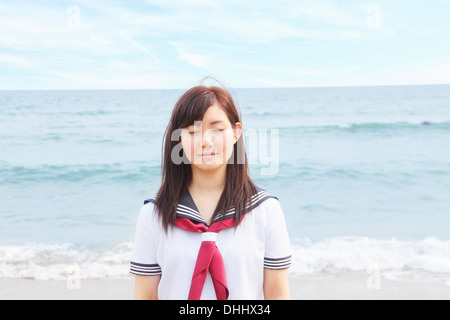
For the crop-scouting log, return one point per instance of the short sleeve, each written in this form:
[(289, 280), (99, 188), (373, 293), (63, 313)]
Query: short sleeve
[(277, 249), (143, 257)]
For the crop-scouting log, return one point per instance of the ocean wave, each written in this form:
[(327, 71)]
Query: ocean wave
[(61, 262), (394, 258), (396, 125), (114, 172), (385, 175), (359, 127)]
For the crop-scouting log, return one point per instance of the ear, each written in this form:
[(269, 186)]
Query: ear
[(237, 131)]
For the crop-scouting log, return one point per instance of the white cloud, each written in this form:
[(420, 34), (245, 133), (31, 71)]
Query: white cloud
[(14, 60), (272, 83), (430, 74), (136, 44), (325, 12), (198, 60), (272, 43)]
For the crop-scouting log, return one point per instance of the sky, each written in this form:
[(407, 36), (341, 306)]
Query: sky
[(158, 44)]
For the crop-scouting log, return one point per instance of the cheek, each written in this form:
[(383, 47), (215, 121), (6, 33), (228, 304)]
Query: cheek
[(227, 143), (189, 145)]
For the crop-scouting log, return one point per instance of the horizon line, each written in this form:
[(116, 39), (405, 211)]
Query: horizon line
[(238, 88)]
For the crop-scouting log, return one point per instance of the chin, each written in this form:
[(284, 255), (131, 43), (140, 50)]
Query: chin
[(209, 166)]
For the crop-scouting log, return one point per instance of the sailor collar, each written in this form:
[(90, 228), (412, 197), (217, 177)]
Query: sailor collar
[(187, 209)]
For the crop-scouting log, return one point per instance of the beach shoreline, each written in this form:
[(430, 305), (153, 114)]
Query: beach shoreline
[(341, 286)]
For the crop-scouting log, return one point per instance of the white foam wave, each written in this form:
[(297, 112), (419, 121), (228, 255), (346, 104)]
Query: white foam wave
[(59, 262), (395, 258), (399, 259)]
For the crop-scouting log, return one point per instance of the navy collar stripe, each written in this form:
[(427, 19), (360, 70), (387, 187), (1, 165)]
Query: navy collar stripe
[(183, 209), (187, 208)]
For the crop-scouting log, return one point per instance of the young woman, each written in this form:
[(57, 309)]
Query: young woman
[(209, 233)]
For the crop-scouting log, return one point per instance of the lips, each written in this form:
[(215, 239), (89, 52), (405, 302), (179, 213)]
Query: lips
[(208, 154)]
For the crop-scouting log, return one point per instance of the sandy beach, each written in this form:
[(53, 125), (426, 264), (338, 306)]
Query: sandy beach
[(344, 286)]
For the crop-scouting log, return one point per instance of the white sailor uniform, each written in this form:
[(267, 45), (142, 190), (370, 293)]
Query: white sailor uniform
[(260, 241)]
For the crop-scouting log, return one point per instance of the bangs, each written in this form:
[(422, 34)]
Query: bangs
[(192, 107)]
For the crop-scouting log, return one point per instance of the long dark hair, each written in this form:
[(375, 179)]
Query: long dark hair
[(175, 178)]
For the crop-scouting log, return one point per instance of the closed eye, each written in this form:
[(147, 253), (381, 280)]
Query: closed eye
[(216, 130)]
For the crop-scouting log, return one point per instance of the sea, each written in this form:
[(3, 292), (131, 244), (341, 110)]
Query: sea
[(362, 175)]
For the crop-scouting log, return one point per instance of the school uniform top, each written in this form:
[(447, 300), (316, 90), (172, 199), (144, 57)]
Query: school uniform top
[(260, 241)]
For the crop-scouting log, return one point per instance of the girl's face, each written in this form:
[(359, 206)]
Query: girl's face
[(208, 144)]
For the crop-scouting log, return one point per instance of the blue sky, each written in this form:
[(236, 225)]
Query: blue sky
[(173, 44)]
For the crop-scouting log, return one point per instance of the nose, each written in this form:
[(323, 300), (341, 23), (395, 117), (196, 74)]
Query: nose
[(207, 138)]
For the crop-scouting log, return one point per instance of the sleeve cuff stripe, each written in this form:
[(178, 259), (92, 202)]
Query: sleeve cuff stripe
[(145, 269), (277, 259), (277, 263), (281, 266), (144, 265), (140, 273)]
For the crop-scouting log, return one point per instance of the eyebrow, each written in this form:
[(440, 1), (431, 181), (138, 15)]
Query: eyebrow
[(213, 122), (217, 121)]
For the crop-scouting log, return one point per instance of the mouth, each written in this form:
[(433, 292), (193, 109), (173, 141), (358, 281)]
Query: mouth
[(208, 155)]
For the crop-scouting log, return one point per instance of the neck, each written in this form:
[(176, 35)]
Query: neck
[(210, 181)]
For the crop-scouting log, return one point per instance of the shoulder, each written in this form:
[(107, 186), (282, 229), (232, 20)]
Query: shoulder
[(265, 204), (147, 214), (149, 200), (148, 207), (263, 198)]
